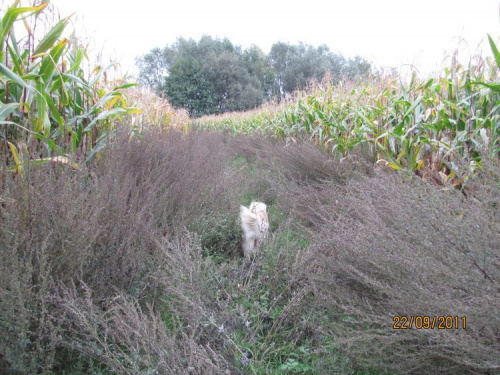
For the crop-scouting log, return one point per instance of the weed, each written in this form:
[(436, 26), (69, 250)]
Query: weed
[(127, 265)]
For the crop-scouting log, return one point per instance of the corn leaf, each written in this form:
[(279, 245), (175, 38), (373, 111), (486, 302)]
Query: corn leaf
[(52, 36), (101, 71), (54, 112), (15, 57), (495, 51), (105, 115), (126, 86), (56, 159), (42, 122), (77, 61), (7, 109), (49, 62), (49, 142), (15, 156), (10, 17), (495, 87), (14, 77)]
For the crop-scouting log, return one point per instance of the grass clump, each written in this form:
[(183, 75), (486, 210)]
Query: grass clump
[(84, 244), (220, 235)]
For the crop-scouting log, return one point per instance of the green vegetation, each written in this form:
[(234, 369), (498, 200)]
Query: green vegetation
[(49, 105), (126, 258), (209, 76), (438, 128), (213, 76)]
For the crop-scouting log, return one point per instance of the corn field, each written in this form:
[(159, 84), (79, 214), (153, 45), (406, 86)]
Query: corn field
[(52, 107), (438, 128)]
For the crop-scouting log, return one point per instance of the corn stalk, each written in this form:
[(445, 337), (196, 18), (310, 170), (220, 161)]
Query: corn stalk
[(48, 103), (431, 127)]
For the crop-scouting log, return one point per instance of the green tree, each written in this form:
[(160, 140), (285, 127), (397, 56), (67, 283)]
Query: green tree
[(260, 69), (357, 68), (187, 87), (296, 65), (214, 76), (153, 68), (280, 58), (235, 88), (208, 76)]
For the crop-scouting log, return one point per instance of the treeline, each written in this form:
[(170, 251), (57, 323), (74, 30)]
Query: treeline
[(212, 76)]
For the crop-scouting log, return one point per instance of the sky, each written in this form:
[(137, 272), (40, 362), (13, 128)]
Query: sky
[(390, 33)]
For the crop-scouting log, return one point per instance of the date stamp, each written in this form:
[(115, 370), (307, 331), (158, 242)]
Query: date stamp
[(429, 322)]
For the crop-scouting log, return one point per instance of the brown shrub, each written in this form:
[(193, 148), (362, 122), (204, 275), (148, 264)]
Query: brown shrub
[(387, 246), (131, 337), (106, 270), (98, 228), (296, 162)]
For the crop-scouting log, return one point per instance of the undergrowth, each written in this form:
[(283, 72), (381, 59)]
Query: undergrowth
[(132, 265)]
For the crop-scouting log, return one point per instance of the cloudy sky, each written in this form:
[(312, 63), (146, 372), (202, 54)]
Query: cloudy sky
[(388, 32)]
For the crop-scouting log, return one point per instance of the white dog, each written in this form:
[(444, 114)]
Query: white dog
[(255, 225)]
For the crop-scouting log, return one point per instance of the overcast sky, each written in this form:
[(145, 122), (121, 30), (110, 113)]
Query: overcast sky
[(387, 32)]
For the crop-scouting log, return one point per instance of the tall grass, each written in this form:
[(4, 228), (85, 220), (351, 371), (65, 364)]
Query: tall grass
[(130, 264), (50, 104)]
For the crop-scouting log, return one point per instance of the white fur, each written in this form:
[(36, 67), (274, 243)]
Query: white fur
[(255, 224)]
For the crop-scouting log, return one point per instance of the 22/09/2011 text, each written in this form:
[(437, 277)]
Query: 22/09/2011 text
[(429, 322)]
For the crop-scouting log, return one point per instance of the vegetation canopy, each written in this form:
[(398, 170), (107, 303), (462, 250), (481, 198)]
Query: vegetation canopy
[(213, 76)]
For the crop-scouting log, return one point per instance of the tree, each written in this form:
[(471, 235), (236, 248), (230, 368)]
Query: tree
[(209, 76), (187, 87), (296, 66), (260, 69), (357, 67), (280, 57), (153, 68), (214, 76)]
